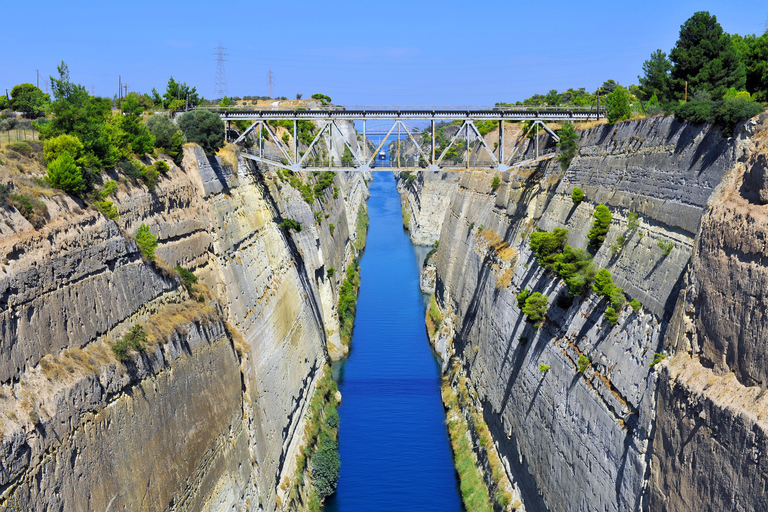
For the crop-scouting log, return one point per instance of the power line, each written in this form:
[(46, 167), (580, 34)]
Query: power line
[(220, 85), (270, 81)]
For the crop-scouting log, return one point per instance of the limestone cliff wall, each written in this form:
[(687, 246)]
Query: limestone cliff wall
[(576, 441), (711, 430), (211, 415)]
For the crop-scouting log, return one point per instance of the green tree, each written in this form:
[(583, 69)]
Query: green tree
[(706, 58), (600, 227), (535, 307), (617, 103), (754, 54), (167, 136), (567, 145), (577, 196), (146, 241), (553, 98), (225, 102), (29, 100), (64, 174), (54, 147), (204, 128), (178, 94), (495, 182), (655, 79), (322, 97), (137, 139)]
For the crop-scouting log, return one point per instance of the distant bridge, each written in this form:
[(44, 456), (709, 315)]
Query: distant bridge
[(301, 158)]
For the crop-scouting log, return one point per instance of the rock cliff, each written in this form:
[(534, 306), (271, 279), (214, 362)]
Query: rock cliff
[(609, 437), (211, 414)]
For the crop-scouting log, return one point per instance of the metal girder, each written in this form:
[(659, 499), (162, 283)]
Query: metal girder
[(346, 143), (482, 141), (309, 148), (453, 139), (246, 132), (426, 159), (279, 143), (373, 157)]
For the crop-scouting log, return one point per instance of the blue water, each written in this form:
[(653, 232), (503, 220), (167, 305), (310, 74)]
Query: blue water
[(394, 448)]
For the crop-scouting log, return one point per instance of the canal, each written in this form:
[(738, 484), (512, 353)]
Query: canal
[(394, 447)]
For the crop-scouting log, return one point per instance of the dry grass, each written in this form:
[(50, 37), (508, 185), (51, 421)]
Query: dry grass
[(499, 246), (505, 279)]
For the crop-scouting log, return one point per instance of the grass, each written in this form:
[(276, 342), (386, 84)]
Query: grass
[(474, 492), (434, 317), (361, 226)]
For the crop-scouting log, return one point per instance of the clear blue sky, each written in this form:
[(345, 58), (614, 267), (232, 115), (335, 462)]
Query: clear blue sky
[(375, 53)]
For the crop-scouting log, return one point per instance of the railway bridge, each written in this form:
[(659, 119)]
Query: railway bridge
[(280, 152)]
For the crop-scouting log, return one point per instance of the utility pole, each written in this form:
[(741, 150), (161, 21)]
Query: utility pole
[(119, 86), (220, 83), (126, 89), (38, 78), (270, 81)]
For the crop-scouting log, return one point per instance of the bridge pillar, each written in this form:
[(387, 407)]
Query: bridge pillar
[(501, 143)]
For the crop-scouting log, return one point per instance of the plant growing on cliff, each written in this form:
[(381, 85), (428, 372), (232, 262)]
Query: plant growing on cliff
[(611, 315), (635, 304), (666, 247), (495, 183), (544, 368), (521, 297), (188, 278), (575, 267), (600, 227), (582, 364), (146, 241), (577, 196), (330, 272), (64, 174), (657, 358), (567, 145), (289, 225), (204, 128), (548, 246), (347, 307), (134, 340), (535, 308), (108, 209)]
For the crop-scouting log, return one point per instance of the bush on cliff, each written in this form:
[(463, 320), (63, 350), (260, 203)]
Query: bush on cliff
[(577, 196), (134, 340), (600, 227), (548, 246), (65, 175), (535, 308), (146, 241), (204, 128), (567, 145), (575, 267)]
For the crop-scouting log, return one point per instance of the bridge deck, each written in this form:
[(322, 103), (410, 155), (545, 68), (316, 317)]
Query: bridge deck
[(427, 114)]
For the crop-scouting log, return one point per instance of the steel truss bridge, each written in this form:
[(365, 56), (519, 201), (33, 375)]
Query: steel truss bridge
[(298, 158)]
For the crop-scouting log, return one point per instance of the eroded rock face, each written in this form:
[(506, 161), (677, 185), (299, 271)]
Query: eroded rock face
[(209, 418), (711, 433), (576, 441)]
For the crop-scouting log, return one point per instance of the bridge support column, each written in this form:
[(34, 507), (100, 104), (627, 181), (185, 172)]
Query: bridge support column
[(501, 142), (433, 143), (295, 140), (365, 142)]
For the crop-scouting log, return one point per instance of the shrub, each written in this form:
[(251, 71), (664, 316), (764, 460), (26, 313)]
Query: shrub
[(577, 196), (162, 166), (666, 247), (108, 209), (347, 307), (188, 278), (149, 175), (600, 227), (657, 358), (134, 340), (611, 316), (567, 145), (146, 241), (21, 148), (31, 209), (495, 183), (582, 364), (548, 246), (535, 307), (167, 136), (521, 298), (204, 128), (633, 222), (575, 267), (289, 225), (635, 305), (109, 188), (65, 175), (54, 147), (330, 271), (603, 283), (544, 368), (331, 227)]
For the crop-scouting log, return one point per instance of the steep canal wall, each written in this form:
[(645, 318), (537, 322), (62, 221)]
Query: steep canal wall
[(615, 432), (210, 415)]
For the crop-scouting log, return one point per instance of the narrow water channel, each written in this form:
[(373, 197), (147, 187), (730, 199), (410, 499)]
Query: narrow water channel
[(394, 447)]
